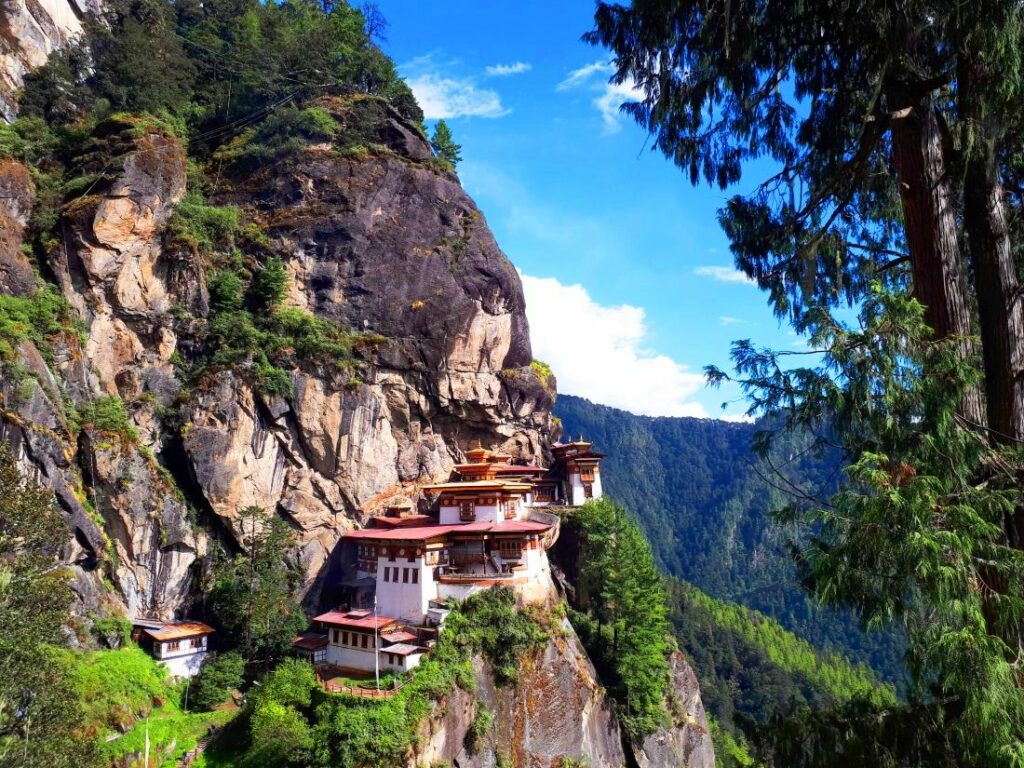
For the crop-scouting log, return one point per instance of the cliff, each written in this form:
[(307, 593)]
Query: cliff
[(30, 30), (385, 242), (119, 393)]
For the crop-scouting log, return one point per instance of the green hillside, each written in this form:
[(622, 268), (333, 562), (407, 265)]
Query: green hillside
[(704, 501)]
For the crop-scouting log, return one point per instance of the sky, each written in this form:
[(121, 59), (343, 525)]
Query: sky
[(603, 231)]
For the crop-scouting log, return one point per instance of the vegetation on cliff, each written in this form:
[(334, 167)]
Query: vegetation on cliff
[(621, 611), (291, 721)]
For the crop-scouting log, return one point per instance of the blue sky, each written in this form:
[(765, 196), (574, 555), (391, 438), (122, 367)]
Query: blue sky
[(608, 235)]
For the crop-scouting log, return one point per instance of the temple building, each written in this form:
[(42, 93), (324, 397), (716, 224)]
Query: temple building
[(491, 524)]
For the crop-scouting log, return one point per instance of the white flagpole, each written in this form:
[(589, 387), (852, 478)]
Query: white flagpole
[(376, 644)]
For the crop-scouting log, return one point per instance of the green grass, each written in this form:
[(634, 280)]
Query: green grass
[(120, 689)]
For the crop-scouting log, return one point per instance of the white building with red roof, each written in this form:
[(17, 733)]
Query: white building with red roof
[(486, 527)]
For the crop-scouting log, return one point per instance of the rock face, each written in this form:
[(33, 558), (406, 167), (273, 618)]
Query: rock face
[(687, 742), (381, 241), (30, 30), (556, 712)]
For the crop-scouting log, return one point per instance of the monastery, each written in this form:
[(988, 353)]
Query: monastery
[(491, 524)]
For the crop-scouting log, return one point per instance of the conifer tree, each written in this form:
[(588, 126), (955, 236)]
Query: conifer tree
[(884, 122), (444, 145)]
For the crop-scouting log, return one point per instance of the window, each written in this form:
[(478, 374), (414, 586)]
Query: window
[(197, 642), (366, 641), (405, 575), (391, 555), (412, 555), (415, 576), (391, 658), (387, 573), (588, 491), (344, 638), (335, 636), (171, 646), (510, 549), (467, 510)]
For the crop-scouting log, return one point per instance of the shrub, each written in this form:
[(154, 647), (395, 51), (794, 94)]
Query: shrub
[(479, 729), (33, 318), (270, 284), (113, 631), (108, 414), (216, 680), (202, 227)]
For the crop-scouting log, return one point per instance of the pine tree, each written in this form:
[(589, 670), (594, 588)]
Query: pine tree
[(251, 596), (444, 145)]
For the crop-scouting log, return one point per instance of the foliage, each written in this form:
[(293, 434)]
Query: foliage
[(492, 623), (252, 594), (218, 677), (127, 692), (871, 117), (107, 414), (292, 721), (623, 599), (38, 720), (479, 729), (34, 318), (113, 631), (705, 501), (752, 671), (444, 145), (219, 66), (199, 226), (270, 284)]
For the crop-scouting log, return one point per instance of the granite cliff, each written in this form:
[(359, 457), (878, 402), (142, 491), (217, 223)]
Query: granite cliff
[(385, 242)]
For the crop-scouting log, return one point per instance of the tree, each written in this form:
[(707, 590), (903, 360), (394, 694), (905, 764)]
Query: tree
[(620, 586), (37, 716), (884, 122), (216, 680), (444, 145), (252, 594)]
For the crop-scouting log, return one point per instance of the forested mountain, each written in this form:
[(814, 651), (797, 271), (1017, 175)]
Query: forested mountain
[(704, 501)]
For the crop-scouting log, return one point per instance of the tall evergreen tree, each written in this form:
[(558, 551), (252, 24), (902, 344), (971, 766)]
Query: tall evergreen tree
[(444, 145), (885, 122), (251, 596)]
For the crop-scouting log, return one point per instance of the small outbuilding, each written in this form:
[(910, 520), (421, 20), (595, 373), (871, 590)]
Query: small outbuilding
[(180, 646)]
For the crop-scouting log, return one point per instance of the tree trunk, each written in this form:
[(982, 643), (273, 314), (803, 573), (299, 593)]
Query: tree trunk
[(1000, 312), (931, 232)]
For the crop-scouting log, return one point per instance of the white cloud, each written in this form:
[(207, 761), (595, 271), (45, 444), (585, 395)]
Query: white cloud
[(727, 320), (723, 274), (598, 352), (612, 96), (504, 70), (443, 97), (583, 75), (738, 418)]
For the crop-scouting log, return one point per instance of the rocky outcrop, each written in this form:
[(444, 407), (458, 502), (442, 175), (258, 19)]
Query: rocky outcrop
[(557, 713), (30, 30), (687, 741)]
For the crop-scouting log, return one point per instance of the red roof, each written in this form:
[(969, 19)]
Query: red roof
[(400, 636), (517, 469), (435, 531), (175, 630), (310, 641), (355, 620), (403, 522)]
